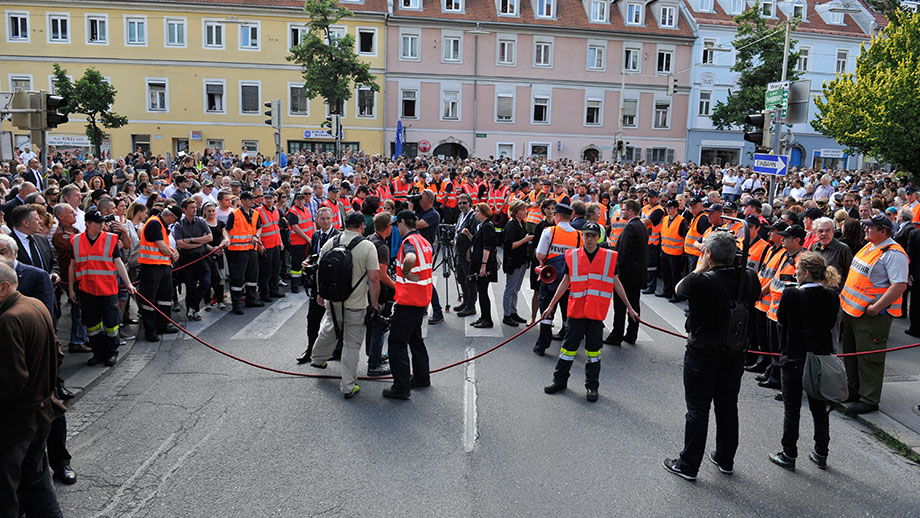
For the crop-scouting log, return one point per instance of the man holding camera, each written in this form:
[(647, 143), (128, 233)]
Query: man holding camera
[(375, 330), (323, 233)]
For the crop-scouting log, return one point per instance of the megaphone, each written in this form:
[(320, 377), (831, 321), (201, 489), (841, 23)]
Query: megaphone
[(546, 272)]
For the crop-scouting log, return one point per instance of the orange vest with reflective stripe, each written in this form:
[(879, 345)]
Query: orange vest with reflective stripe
[(383, 192), (785, 273), (738, 229), (617, 224), (533, 213), (243, 231), (693, 235), (94, 267), (149, 252), (560, 197), (304, 222), (766, 275), (757, 252), (654, 231), (858, 292), (450, 198), (271, 229), (401, 189), (671, 242), (562, 241), (338, 212), (591, 283), (415, 293)]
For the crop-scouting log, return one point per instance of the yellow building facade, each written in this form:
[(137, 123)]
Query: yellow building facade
[(191, 75)]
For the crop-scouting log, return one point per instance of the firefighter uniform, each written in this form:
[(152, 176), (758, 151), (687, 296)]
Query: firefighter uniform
[(155, 276), (673, 231), (242, 257), (270, 258), (301, 218), (96, 278), (694, 233), (561, 238), (654, 215)]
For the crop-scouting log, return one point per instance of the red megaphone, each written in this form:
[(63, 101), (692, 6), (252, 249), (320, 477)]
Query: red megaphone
[(547, 273)]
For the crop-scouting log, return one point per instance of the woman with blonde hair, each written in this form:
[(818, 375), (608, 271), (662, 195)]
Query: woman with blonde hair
[(807, 317), (515, 261)]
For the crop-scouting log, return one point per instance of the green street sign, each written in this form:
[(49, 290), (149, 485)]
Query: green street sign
[(480, 135), (777, 95)]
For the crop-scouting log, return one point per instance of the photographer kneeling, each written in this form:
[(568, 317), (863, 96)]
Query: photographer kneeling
[(712, 367)]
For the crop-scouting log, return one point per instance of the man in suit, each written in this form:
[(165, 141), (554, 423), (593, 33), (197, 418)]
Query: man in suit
[(33, 282), (34, 174), (323, 233), (632, 249), (462, 245), (25, 189), (34, 248)]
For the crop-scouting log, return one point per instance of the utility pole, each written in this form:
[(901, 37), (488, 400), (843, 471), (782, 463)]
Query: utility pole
[(777, 113)]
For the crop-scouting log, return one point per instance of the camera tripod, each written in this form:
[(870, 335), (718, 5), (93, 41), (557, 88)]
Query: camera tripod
[(447, 265)]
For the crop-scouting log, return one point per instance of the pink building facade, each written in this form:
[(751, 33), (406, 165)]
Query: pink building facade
[(493, 77)]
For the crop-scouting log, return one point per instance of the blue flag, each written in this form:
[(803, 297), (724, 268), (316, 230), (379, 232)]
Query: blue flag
[(399, 143)]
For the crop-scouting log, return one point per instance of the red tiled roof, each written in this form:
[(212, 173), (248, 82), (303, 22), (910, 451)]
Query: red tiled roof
[(814, 24), (374, 6)]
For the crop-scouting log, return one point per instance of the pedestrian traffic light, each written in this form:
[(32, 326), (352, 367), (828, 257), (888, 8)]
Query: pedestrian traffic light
[(672, 84), (274, 113), (53, 104), (762, 134), (328, 124)]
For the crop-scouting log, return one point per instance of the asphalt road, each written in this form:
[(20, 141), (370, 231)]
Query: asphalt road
[(183, 431)]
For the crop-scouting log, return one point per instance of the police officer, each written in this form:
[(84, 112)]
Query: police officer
[(155, 259), (554, 243), (93, 272), (413, 294), (589, 301), (244, 227)]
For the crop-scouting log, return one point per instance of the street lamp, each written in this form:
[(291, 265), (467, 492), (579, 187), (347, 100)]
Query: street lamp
[(476, 32)]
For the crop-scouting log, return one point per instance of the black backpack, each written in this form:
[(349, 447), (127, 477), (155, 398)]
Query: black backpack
[(334, 271)]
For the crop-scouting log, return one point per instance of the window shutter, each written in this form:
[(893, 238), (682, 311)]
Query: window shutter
[(648, 156), (250, 98), (670, 156), (504, 107), (214, 89)]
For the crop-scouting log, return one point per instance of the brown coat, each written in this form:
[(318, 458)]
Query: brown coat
[(64, 250), (28, 368)]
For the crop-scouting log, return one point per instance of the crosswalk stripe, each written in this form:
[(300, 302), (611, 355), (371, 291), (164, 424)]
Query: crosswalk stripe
[(271, 319), (208, 318)]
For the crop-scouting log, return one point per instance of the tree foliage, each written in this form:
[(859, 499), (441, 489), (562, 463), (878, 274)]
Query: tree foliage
[(329, 63), (92, 96), (876, 110), (889, 8), (760, 61)]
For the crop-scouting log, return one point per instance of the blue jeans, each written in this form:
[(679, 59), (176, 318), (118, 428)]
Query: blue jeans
[(435, 303), (78, 334), (373, 343)]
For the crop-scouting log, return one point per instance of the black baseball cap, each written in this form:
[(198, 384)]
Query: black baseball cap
[(715, 207), (406, 215), (730, 206), (174, 210), (779, 226), (94, 216), (694, 200), (796, 231), (753, 202), (355, 219), (591, 227), (752, 220), (247, 195), (813, 213), (562, 208), (879, 220), (672, 203)]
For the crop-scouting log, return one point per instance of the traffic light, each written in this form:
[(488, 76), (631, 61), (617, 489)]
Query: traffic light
[(672, 84), (273, 112), (53, 103), (762, 134), (328, 124)]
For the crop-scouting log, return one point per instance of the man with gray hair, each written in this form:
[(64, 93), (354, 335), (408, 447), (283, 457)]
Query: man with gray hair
[(835, 253), (712, 372)]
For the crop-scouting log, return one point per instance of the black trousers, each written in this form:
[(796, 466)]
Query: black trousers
[(692, 260), (197, 283), (761, 338), (671, 266), (156, 286), (101, 317), (58, 455), (469, 288), (406, 338), (792, 409), (244, 274), (314, 319), (773, 371), (546, 325), (633, 288), (25, 479), (711, 380), (653, 253), (269, 271), (485, 303), (215, 264), (593, 333), (913, 309), (297, 257)]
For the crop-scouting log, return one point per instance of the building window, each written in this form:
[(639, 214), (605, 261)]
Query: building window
[(842, 57), (705, 103), (630, 108), (660, 155), (213, 35), (410, 4), (249, 97), (175, 32), (97, 29), (18, 24), (593, 113), (737, 6), (505, 149), (667, 17), (634, 14), (543, 54), (451, 49), (540, 110), (338, 109), (664, 61), (336, 33), (505, 52), (20, 83), (298, 33), (249, 37), (214, 97), (766, 8), (366, 105), (58, 28), (367, 42), (450, 106), (804, 54), (453, 6), (539, 150), (798, 9), (250, 147), (596, 57), (157, 95), (835, 18), (545, 8), (599, 11), (299, 103), (706, 6), (661, 114), (135, 31), (508, 7), (408, 48), (709, 54), (217, 144), (504, 108), (631, 60), (409, 104)]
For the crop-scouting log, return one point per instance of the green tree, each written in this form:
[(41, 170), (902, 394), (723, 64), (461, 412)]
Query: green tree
[(92, 96), (876, 110), (887, 7), (760, 61), (329, 63)]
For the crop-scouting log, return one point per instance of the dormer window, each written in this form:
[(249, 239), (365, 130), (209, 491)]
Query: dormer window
[(508, 7), (453, 6), (706, 6), (634, 14), (599, 11), (667, 16), (410, 4), (545, 8), (766, 8), (798, 10), (835, 18)]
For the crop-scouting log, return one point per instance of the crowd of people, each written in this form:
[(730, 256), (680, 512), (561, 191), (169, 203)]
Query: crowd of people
[(85, 235)]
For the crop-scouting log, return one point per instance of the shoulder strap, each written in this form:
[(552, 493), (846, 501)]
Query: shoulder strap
[(354, 243)]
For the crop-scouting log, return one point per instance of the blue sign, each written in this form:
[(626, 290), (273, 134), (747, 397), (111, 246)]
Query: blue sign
[(771, 164), (398, 146)]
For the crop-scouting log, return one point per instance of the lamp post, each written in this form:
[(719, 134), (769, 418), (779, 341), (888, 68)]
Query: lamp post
[(476, 32)]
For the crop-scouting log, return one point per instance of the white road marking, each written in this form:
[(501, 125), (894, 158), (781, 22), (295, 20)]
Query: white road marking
[(470, 414), (270, 321), (129, 485), (208, 318)]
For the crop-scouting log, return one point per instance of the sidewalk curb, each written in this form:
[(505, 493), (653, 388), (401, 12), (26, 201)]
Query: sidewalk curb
[(100, 374), (905, 441)]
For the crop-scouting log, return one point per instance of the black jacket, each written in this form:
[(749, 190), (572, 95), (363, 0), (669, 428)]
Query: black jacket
[(806, 317), (463, 243), (632, 247), (49, 258), (484, 239), (514, 258)]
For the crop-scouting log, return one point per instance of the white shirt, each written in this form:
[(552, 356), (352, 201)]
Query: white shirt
[(24, 239), (546, 238), (80, 223)]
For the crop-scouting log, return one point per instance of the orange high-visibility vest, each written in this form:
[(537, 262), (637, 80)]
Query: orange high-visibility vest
[(562, 241), (617, 224), (654, 231), (534, 215), (401, 189), (591, 283), (243, 231), (304, 222), (858, 292), (450, 198), (338, 212), (693, 235), (383, 192), (785, 273), (560, 197), (271, 229), (671, 242), (757, 252), (415, 293), (94, 267), (738, 228), (766, 275), (149, 251)]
